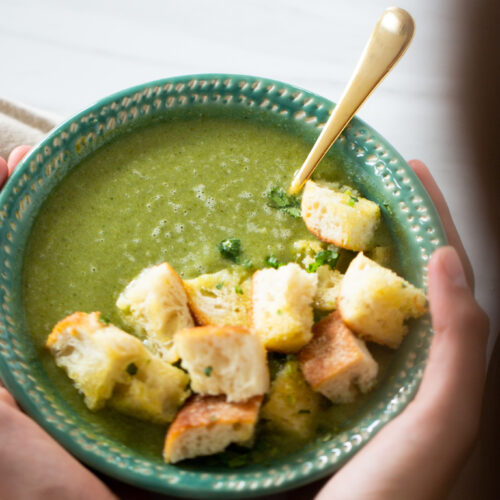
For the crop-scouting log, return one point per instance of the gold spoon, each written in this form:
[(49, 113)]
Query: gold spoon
[(387, 43)]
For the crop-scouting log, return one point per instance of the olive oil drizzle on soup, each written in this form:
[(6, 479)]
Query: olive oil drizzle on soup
[(168, 192)]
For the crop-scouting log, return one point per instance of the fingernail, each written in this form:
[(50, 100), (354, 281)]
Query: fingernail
[(453, 268)]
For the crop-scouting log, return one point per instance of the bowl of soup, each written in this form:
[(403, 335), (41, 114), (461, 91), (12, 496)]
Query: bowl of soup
[(165, 171)]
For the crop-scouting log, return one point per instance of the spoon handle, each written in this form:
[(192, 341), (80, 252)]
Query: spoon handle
[(387, 43)]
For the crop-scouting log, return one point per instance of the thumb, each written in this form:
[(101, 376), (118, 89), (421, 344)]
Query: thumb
[(454, 378)]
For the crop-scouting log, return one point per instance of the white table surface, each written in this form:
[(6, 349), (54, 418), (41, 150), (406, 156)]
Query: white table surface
[(63, 55)]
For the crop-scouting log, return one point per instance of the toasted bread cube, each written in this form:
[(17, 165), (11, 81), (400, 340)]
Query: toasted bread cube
[(154, 392), (282, 313), (155, 305), (374, 302), (336, 361), (292, 406), (340, 218), (228, 360), (221, 298), (94, 355), (328, 288), (208, 424)]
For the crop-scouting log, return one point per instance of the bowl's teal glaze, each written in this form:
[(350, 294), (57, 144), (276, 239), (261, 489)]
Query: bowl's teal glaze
[(381, 174)]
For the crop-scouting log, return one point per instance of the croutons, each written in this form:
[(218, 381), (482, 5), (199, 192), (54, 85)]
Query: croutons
[(292, 406), (335, 361), (155, 305), (339, 217), (374, 302), (221, 298), (228, 360), (208, 424), (94, 355), (329, 280), (282, 313), (154, 392)]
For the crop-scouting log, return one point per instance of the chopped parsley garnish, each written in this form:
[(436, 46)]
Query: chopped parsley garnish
[(272, 261), (352, 200), (208, 371), (279, 312), (219, 285), (304, 411), (328, 257), (104, 319), (238, 289), (285, 202), (230, 248), (132, 369), (213, 418), (387, 207)]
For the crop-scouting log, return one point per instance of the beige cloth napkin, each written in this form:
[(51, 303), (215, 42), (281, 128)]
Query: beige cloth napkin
[(20, 124)]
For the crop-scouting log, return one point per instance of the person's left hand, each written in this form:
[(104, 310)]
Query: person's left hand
[(7, 167)]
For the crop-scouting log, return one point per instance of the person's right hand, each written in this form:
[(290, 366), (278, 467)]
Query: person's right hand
[(418, 455)]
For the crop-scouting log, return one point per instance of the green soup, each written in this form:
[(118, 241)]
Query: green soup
[(168, 192)]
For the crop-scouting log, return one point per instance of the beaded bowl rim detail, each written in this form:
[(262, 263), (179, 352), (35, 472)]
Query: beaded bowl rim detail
[(65, 146)]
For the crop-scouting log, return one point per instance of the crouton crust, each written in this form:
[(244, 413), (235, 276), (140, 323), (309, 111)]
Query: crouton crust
[(375, 302), (281, 312), (229, 360), (207, 424), (156, 306), (335, 359), (338, 217), (213, 298)]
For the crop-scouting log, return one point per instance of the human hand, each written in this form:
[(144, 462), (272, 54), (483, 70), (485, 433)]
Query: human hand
[(7, 167), (419, 454)]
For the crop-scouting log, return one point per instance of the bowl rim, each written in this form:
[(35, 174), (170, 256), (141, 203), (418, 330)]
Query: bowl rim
[(183, 488)]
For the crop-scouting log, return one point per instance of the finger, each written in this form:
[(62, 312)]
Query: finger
[(5, 396), (4, 172), (453, 381), (437, 197), (16, 155)]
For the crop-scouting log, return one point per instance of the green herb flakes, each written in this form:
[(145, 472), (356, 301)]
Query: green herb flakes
[(208, 371), (328, 257), (289, 204), (230, 248), (219, 285), (238, 289), (272, 261)]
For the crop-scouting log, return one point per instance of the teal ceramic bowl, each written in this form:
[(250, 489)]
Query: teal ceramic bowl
[(381, 174)]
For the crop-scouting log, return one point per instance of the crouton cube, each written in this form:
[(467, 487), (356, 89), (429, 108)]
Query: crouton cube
[(94, 355), (328, 287), (228, 360), (221, 298), (340, 218), (282, 313), (374, 302), (154, 392), (336, 361), (292, 406), (155, 305), (208, 424)]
